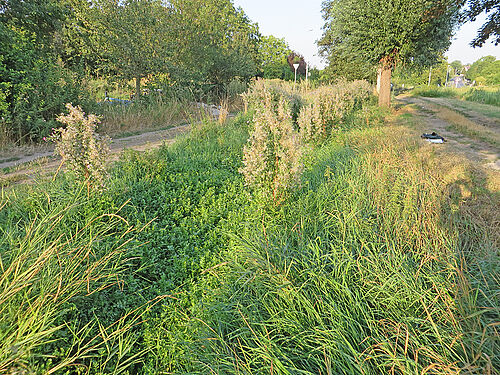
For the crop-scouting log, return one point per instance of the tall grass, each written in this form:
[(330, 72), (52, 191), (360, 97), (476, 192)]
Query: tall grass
[(369, 269), (120, 118), (483, 96), (46, 263)]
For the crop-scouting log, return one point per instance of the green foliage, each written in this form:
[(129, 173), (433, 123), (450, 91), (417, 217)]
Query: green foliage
[(411, 75), (361, 36), (52, 255), (34, 84), (485, 71), (273, 54), (483, 96), (50, 50), (133, 34), (213, 43), (491, 27), (457, 66)]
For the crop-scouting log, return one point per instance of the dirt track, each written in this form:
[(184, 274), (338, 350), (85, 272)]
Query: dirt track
[(429, 110), (39, 163)]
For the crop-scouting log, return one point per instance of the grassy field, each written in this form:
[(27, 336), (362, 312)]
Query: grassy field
[(383, 260)]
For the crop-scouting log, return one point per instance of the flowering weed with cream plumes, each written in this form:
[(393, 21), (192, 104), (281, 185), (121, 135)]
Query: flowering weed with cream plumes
[(272, 156), (278, 90), (81, 148), (328, 108)]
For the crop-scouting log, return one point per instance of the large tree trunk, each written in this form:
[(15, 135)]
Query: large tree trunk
[(384, 95), (138, 87)]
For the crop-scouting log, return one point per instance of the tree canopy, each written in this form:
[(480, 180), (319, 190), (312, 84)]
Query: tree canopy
[(49, 47), (382, 34), (491, 27), (486, 70)]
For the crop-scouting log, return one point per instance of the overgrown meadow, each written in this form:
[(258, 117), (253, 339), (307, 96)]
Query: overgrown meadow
[(309, 235)]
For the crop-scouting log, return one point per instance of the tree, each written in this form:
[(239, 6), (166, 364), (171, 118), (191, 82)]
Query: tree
[(296, 58), (273, 54), (486, 70), (133, 35), (34, 84), (214, 42), (457, 66), (418, 76), (383, 34), (491, 28)]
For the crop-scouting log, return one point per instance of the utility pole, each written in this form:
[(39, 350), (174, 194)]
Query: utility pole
[(430, 76)]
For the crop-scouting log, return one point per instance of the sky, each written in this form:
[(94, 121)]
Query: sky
[(300, 23)]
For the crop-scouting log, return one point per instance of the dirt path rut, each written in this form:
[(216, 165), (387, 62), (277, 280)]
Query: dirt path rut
[(434, 116)]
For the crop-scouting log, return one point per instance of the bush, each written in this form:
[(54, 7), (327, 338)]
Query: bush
[(81, 147), (255, 97), (272, 157), (329, 107)]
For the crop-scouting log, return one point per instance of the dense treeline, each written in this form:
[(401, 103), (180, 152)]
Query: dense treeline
[(50, 50), (485, 71)]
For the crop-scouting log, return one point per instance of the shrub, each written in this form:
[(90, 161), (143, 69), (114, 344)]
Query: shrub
[(272, 158), (256, 96), (81, 147), (328, 107)]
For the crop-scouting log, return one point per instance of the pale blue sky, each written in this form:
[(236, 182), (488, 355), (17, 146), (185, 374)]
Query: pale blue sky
[(300, 23)]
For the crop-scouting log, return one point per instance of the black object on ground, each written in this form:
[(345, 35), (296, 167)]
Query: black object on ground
[(433, 137)]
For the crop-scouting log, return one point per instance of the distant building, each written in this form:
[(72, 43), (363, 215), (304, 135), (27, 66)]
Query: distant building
[(458, 81)]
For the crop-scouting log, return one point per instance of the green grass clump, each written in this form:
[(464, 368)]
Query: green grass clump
[(483, 96), (435, 92), (53, 254)]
